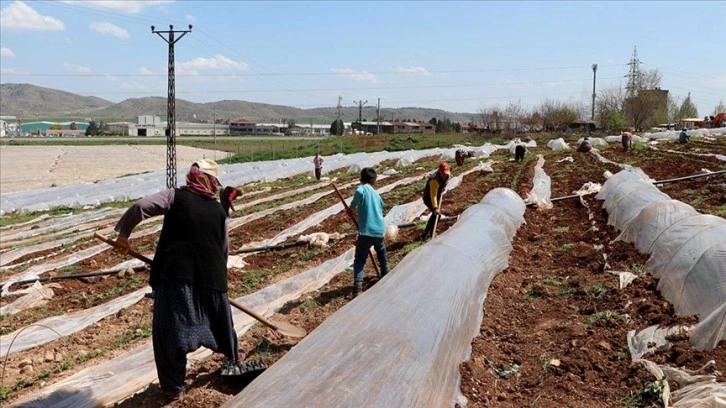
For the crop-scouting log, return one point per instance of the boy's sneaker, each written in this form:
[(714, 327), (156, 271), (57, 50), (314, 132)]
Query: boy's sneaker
[(355, 293)]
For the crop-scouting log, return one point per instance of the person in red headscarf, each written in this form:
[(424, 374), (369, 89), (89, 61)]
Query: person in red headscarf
[(188, 274), (432, 195)]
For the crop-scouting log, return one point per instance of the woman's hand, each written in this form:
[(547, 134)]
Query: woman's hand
[(122, 245)]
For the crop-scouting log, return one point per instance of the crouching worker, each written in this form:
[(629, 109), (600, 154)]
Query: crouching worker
[(188, 274), (683, 137), (585, 146), (371, 227)]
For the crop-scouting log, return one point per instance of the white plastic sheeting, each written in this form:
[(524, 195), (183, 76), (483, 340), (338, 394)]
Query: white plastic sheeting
[(651, 339), (721, 157), (596, 141), (695, 390), (512, 145), (541, 189), (652, 220), (401, 342), (319, 216), (33, 296), (403, 213), (558, 144), (140, 185), (49, 329), (688, 250), (619, 138), (117, 379), (73, 221), (673, 134)]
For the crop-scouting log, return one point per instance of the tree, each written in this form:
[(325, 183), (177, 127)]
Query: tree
[(337, 128), (56, 126), (688, 108), (720, 108), (557, 115), (641, 110), (290, 124), (674, 111), (649, 79), (489, 118), (93, 129), (512, 114), (609, 105), (614, 120), (533, 121)]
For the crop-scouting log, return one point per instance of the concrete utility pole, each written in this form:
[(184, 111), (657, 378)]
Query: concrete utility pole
[(214, 127), (171, 105), (360, 112), (378, 117), (594, 74)]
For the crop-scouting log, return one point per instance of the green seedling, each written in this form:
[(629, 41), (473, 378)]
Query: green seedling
[(552, 281), (597, 290), (606, 315), (651, 394)]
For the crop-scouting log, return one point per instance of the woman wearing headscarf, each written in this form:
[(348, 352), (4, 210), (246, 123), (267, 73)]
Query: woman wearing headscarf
[(188, 273)]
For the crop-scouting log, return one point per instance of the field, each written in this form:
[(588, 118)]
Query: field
[(555, 322)]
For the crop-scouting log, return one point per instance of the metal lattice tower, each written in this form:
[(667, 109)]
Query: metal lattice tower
[(171, 105), (633, 74), (338, 108)]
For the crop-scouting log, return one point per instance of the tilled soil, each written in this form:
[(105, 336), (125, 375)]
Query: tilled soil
[(555, 322)]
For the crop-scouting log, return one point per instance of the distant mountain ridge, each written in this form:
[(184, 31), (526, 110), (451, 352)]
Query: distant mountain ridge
[(31, 102)]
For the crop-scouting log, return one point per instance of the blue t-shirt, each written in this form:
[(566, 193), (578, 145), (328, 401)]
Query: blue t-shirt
[(370, 211)]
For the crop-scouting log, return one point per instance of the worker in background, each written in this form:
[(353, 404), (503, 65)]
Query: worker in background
[(188, 274), (459, 158), (627, 139), (461, 155), (318, 162), (683, 137), (371, 227), (585, 146), (519, 150), (432, 192)]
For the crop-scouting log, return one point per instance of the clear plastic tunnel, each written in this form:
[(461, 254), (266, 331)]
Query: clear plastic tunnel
[(401, 342), (688, 249)]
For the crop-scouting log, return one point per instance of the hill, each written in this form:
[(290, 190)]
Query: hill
[(34, 102), (25, 100)]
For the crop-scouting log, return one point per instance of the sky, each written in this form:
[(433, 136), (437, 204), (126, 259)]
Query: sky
[(455, 56)]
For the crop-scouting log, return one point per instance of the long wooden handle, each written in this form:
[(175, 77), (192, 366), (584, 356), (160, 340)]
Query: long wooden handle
[(284, 328), (115, 245), (438, 214), (257, 317), (345, 205), (355, 222)]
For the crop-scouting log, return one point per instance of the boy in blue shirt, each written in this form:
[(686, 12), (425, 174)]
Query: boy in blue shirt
[(371, 227)]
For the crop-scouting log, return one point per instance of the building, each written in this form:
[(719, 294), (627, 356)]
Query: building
[(312, 129), (690, 123), (41, 128)]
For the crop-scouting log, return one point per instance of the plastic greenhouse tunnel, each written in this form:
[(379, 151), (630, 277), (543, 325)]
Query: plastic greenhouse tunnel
[(400, 343)]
